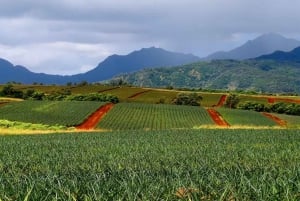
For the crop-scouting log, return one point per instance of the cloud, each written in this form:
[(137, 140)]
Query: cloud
[(70, 36)]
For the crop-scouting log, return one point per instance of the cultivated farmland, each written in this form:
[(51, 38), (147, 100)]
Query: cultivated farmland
[(237, 117), (65, 113), (133, 116), (292, 121), (152, 165)]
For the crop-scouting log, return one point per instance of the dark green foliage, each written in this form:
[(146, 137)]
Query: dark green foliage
[(249, 105), (281, 108), (30, 94), (142, 165), (9, 91), (247, 75), (83, 97), (192, 99), (232, 101), (93, 97)]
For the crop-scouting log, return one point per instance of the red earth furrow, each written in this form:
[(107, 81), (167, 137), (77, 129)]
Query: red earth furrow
[(94, 118), (139, 93), (217, 118), (221, 101), (279, 121)]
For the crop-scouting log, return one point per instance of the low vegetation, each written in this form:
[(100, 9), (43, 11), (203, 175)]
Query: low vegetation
[(135, 116), (64, 113), (29, 126), (245, 118), (152, 165)]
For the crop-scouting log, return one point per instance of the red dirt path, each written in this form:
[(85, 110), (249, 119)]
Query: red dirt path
[(139, 93), (221, 101), (279, 121), (217, 118), (273, 100), (93, 119)]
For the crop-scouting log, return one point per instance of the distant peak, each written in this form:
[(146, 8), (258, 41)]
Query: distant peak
[(150, 48), (271, 35)]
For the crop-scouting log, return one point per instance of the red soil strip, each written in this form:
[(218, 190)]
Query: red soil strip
[(108, 89), (218, 119), (139, 93), (94, 118), (273, 100), (279, 121), (221, 101)]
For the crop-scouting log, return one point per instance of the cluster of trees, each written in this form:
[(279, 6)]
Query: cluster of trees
[(93, 97), (82, 97), (9, 91), (281, 108), (192, 99), (31, 94), (232, 101)]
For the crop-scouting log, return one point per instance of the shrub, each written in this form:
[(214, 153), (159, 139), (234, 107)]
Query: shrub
[(232, 101), (192, 99)]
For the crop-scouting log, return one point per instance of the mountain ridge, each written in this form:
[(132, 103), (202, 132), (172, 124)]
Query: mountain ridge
[(252, 75), (282, 56), (262, 45), (111, 66)]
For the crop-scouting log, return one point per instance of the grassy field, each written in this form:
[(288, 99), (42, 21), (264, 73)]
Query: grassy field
[(237, 117), (292, 121), (124, 92), (257, 99), (152, 165), (155, 96), (65, 113), (133, 116)]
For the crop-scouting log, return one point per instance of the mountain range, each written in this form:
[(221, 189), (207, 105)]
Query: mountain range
[(262, 45), (111, 66), (146, 60)]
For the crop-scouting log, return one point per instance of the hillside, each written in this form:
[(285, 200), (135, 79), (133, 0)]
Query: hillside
[(264, 44), (112, 66), (292, 56), (264, 76)]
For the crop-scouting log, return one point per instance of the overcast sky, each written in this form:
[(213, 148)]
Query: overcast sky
[(73, 36)]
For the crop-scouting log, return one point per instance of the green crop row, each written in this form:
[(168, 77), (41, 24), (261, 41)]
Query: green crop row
[(65, 113), (132, 116), (152, 165), (245, 118)]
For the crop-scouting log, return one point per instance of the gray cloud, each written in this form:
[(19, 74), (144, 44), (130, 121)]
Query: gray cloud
[(71, 36)]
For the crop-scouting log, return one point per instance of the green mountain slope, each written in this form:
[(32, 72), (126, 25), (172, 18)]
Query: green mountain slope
[(264, 76)]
